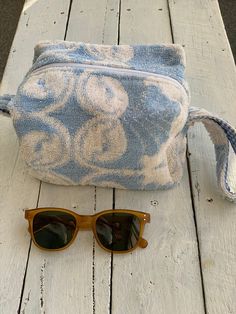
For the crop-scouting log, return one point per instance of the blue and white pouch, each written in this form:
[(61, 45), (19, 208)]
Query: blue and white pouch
[(112, 116)]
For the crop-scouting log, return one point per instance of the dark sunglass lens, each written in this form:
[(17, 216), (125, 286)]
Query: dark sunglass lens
[(118, 231), (53, 229)]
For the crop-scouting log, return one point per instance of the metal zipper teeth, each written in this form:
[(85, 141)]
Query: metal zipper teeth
[(111, 69)]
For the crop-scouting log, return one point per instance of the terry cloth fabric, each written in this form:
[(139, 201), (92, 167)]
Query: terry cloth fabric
[(223, 136), (111, 116)]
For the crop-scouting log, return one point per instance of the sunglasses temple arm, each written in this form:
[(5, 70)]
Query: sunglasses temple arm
[(143, 243)]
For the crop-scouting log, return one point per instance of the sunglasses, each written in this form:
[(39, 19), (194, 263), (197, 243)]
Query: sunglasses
[(117, 231)]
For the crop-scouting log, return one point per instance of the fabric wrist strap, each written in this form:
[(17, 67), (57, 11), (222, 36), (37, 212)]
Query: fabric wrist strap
[(222, 134), (4, 101)]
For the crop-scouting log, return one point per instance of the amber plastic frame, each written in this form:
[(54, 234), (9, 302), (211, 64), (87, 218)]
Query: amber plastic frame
[(86, 222)]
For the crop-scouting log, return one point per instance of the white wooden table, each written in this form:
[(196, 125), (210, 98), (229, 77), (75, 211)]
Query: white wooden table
[(190, 263)]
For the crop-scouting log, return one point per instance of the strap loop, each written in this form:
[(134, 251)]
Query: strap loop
[(222, 134), (4, 104)]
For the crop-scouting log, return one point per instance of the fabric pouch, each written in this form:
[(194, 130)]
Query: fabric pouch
[(112, 116)]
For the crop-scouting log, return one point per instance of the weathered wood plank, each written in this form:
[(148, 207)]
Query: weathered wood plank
[(165, 277), (95, 21), (211, 73), (63, 282), (75, 280), (145, 22), (18, 190)]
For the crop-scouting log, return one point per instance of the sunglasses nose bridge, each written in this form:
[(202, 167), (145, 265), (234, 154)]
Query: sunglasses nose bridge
[(85, 222)]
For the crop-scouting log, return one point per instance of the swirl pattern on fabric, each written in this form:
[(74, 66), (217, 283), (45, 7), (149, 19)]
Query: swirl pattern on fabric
[(79, 125), (101, 94), (112, 55), (99, 141), (46, 148)]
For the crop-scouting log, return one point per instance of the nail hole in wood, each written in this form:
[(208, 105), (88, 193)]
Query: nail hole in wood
[(154, 203)]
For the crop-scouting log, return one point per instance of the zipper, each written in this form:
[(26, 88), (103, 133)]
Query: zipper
[(111, 69)]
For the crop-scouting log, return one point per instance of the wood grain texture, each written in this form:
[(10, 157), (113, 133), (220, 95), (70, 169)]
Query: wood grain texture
[(211, 73), (165, 277), (76, 280), (145, 22), (94, 21), (18, 190)]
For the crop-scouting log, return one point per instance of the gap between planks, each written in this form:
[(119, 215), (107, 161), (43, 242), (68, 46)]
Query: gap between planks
[(191, 188)]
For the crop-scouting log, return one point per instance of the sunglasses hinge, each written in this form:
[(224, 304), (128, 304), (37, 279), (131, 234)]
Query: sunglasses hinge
[(26, 214)]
